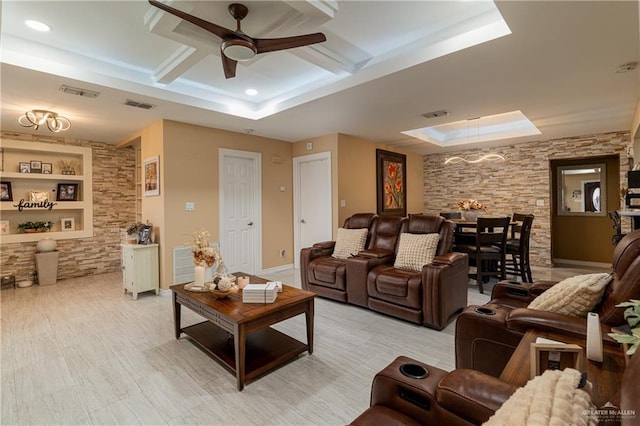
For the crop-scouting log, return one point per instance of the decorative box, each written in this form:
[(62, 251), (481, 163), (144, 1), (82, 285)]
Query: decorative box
[(260, 293)]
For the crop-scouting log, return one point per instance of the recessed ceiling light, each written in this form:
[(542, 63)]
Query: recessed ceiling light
[(251, 92), (37, 25)]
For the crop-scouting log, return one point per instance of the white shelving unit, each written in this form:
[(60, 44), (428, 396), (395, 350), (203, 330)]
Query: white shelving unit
[(80, 210)]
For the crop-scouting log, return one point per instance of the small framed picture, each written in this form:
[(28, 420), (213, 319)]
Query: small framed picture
[(47, 168), (67, 192), (5, 191), (25, 168), (151, 176), (4, 227), (144, 235), (36, 166), (68, 224)]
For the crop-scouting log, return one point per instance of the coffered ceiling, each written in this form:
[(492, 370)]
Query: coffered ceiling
[(384, 65)]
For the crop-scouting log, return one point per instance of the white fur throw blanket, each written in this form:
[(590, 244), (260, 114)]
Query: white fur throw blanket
[(550, 399)]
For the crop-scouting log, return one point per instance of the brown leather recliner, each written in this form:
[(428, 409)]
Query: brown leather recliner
[(461, 397), (430, 297), (487, 336), (324, 274)]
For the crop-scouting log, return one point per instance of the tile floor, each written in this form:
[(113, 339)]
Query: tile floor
[(81, 352)]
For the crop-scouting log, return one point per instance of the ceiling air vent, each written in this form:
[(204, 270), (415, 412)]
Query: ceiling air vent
[(79, 91), (137, 104), (435, 114)]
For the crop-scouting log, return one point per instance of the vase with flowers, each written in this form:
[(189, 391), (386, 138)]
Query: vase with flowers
[(205, 258), (470, 209)]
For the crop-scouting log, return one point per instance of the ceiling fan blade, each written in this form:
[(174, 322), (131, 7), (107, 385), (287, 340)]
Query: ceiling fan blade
[(221, 32), (272, 44), (228, 65)]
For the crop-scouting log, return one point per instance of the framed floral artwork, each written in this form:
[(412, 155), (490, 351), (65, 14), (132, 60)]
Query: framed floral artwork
[(151, 176), (391, 183)]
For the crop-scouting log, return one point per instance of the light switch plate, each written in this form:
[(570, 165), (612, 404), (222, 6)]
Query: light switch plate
[(540, 203), (190, 206)]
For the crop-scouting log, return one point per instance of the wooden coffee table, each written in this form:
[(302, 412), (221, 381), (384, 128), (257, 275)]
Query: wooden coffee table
[(239, 335)]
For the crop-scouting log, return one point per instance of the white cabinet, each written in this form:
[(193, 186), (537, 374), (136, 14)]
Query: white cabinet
[(69, 197), (140, 268)]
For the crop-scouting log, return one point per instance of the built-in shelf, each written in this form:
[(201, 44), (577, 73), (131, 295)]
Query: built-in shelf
[(78, 212)]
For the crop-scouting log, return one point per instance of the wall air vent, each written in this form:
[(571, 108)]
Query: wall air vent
[(79, 91), (137, 104), (435, 114)]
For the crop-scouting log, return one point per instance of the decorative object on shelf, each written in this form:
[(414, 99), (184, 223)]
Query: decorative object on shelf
[(30, 227), (470, 209), (152, 176), (46, 245), (36, 166), (47, 168), (39, 117), (67, 192), (38, 196), (68, 224), (132, 232), (629, 335), (391, 183), (4, 227), (243, 282), (25, 168), (5, 191), (68, 167), (144, 233)]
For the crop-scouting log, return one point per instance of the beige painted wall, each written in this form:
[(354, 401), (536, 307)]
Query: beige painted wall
[(189, 172)]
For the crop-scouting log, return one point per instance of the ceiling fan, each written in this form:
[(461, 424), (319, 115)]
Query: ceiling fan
[(236, 45)]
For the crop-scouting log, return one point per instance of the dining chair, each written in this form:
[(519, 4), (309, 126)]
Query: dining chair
[(517, 260), (617, 226), (489, 251)]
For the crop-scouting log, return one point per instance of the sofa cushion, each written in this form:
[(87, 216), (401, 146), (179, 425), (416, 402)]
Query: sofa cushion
[(557, 397), (416, 250), (349, 242), (575, 296)]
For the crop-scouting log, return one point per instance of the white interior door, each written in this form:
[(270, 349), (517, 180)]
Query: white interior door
[(312, 201), (240, 210)]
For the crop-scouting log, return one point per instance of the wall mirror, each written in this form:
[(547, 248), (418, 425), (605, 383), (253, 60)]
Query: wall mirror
[(581, 190)]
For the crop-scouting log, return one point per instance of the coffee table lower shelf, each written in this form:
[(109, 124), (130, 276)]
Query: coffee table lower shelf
[(266, 349)]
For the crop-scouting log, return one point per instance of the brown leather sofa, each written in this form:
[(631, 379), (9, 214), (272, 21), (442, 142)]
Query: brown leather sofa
[(431, 297), (461, 397), (487, 336), (325, 275)]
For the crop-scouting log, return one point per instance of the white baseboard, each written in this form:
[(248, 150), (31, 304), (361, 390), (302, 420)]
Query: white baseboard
[(582, 263), (277, 269)]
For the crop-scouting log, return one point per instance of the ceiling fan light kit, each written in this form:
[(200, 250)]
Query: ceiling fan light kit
[(236, 45), (238, 50), (39, 117)]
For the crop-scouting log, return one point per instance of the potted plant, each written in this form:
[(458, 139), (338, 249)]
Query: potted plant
[(629, 335), (30, 227)]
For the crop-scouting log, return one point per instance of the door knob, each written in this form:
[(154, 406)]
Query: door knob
[(303, 221), (250, 223)]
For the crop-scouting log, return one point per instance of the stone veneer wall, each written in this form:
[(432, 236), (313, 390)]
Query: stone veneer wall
[(113, 209), (516, 184)]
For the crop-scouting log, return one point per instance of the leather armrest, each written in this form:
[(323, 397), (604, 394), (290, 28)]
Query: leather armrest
[(539, 287), (448, 258), (376, 254), (472, 395), (523, 319), (325, 245), (506, 291)]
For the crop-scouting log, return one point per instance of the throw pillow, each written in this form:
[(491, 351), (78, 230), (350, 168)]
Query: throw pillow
[(575, 296), (557, 397), (349, 242), (416, 250)]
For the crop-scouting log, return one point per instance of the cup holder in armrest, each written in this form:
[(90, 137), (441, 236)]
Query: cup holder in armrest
[(414, 371), (485, 311)]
